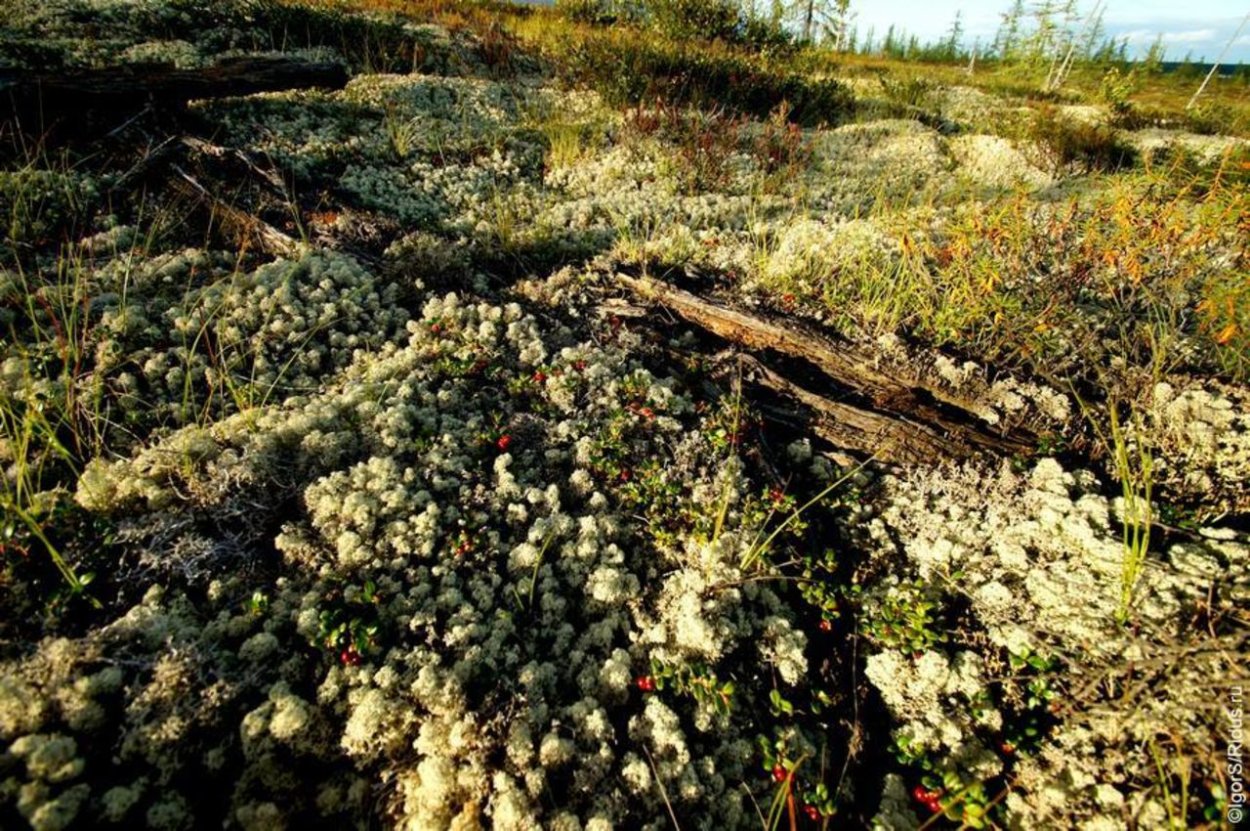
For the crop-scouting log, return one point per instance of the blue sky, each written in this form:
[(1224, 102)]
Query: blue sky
[(1200, 26)]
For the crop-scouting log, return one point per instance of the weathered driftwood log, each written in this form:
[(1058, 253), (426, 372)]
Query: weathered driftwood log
[(907, 420), (40, 99)]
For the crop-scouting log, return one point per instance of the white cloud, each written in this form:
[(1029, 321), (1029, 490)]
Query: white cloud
[(1190, 36)]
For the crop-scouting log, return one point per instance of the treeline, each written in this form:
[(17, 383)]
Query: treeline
[(1046, 37), (1038, 34), (762, 23)]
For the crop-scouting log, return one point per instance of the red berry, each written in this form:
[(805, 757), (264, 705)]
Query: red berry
[(922, 794), (435, 328), (540, 377), (504, 442), (625, 475), (776, 495), (646, 683), (349, 657), (813, 813), (1007, 748), (779, 773), (929, 799), (579, 365), (826, 625)]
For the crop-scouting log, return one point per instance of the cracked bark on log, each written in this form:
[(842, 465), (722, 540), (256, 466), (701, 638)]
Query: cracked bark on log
[(890, 438), (906, 419)]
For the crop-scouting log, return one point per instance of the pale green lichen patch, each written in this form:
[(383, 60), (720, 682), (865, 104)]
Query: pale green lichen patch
[(427, 522), (1036, 560)]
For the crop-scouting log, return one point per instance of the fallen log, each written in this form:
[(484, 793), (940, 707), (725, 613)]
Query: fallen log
[(888, 438), (938, 424), (247, 230), (849, 367), (39, 99)]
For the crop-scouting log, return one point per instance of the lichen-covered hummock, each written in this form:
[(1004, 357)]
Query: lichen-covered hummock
[(424, 523), (463, 605), (1034, 564)]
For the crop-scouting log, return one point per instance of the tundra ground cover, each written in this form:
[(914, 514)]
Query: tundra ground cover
[(422, 524)]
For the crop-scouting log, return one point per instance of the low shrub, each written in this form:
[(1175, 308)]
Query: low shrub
[(602, 12), (780, 147), (1089, 146), (710, 19), (1224, 318), (702, 142), (1215, 118), (1137, 117), (628, 67), (1115, 89), (767, 37), (911, 92)]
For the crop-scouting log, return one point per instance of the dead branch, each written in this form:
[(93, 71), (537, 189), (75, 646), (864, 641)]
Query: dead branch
[(205, 148), (244, 227)]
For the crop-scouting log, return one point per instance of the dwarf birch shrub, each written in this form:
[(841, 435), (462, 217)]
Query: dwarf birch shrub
[(629, 67), (695, 19)]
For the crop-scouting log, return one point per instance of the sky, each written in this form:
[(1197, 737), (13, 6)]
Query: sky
[(1202, 27)]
